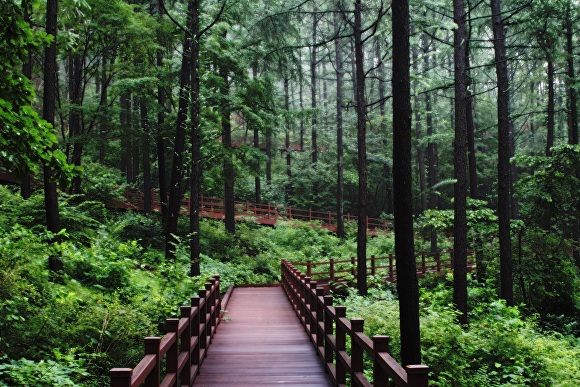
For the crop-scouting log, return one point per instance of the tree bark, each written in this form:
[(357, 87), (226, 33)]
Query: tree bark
[(287, 137), (228, 165), (339, 135), (460, 165), (503, 186), (407, 284), (196, 168), (125, 119), (145, 152), (361, 279), (551, 110), (175, 185), (25, 186), (48, 113), (160, 141), (313, 91)]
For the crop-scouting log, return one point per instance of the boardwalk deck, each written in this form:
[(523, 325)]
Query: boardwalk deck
[(261, 342)]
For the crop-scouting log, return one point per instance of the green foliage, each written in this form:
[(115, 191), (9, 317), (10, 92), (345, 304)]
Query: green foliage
[(498, 348), (25, 139), (548, 196), (24, 372)]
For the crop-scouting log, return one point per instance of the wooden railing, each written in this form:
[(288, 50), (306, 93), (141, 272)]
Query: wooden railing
[(328, 329), (263, 212), (336, 271), (180, 353)]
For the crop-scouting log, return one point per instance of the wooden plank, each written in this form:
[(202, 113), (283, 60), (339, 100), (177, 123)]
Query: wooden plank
[(261, 342)]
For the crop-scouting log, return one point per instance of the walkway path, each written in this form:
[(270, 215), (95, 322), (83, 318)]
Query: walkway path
[(261, 342)]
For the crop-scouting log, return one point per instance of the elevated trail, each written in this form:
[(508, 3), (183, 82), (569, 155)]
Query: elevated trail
[(260, 341)]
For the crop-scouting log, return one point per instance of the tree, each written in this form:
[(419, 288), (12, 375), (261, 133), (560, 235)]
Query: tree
[(407, 284), (460, 164), (503, 166), (26, 139), (176, 182), (361, 238), (48, 113)]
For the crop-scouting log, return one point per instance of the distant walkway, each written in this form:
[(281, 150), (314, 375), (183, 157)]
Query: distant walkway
[(260, 341)]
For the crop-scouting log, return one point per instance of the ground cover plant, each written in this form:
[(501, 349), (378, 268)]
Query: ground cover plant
[(116, 288)]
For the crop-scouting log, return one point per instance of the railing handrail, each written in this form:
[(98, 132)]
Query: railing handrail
[(442, 260), (182, 349), (328, 329), (134, 197)]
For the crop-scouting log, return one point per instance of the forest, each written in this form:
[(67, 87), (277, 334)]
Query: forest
[(455, 120)]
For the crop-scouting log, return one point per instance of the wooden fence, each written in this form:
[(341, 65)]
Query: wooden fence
[(180, 353), (264, 213), (329, 329), (344, 270)]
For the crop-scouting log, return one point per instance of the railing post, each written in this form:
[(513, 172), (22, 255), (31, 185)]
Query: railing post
[(310, 214), (357, 352), (328, 325), (172, 325), (152, 348), (417, 375), (320, 319), (208, 315), (438, 260), (391, 274), (290, 213), (309, 268), (452, 258), (218, 301), (313, 311), (185, 375), (329, 218), (331, 269), (380, 345), (202, 322), (302, 298), (195, 331), (340, 345), (373, 265), (423, 265), (353, 267), (120, 377)]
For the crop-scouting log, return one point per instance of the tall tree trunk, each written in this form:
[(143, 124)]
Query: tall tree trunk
[(572, 99), (503, 166), (460, 165), (361, 250), (104, 120), (136, 139), (175, 185), (313, 91), (160, 141), (551, 110), (407, 284), (301, 97), (228, 165), (287, 137), (146, 155), (25, 186), (75, 129), (339, 135), (125, 119), (48, 113), (196, 171), (383, 128), (257, 179)]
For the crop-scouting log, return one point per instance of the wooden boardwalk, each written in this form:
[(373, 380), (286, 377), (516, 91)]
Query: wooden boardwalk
[(261, 342)]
